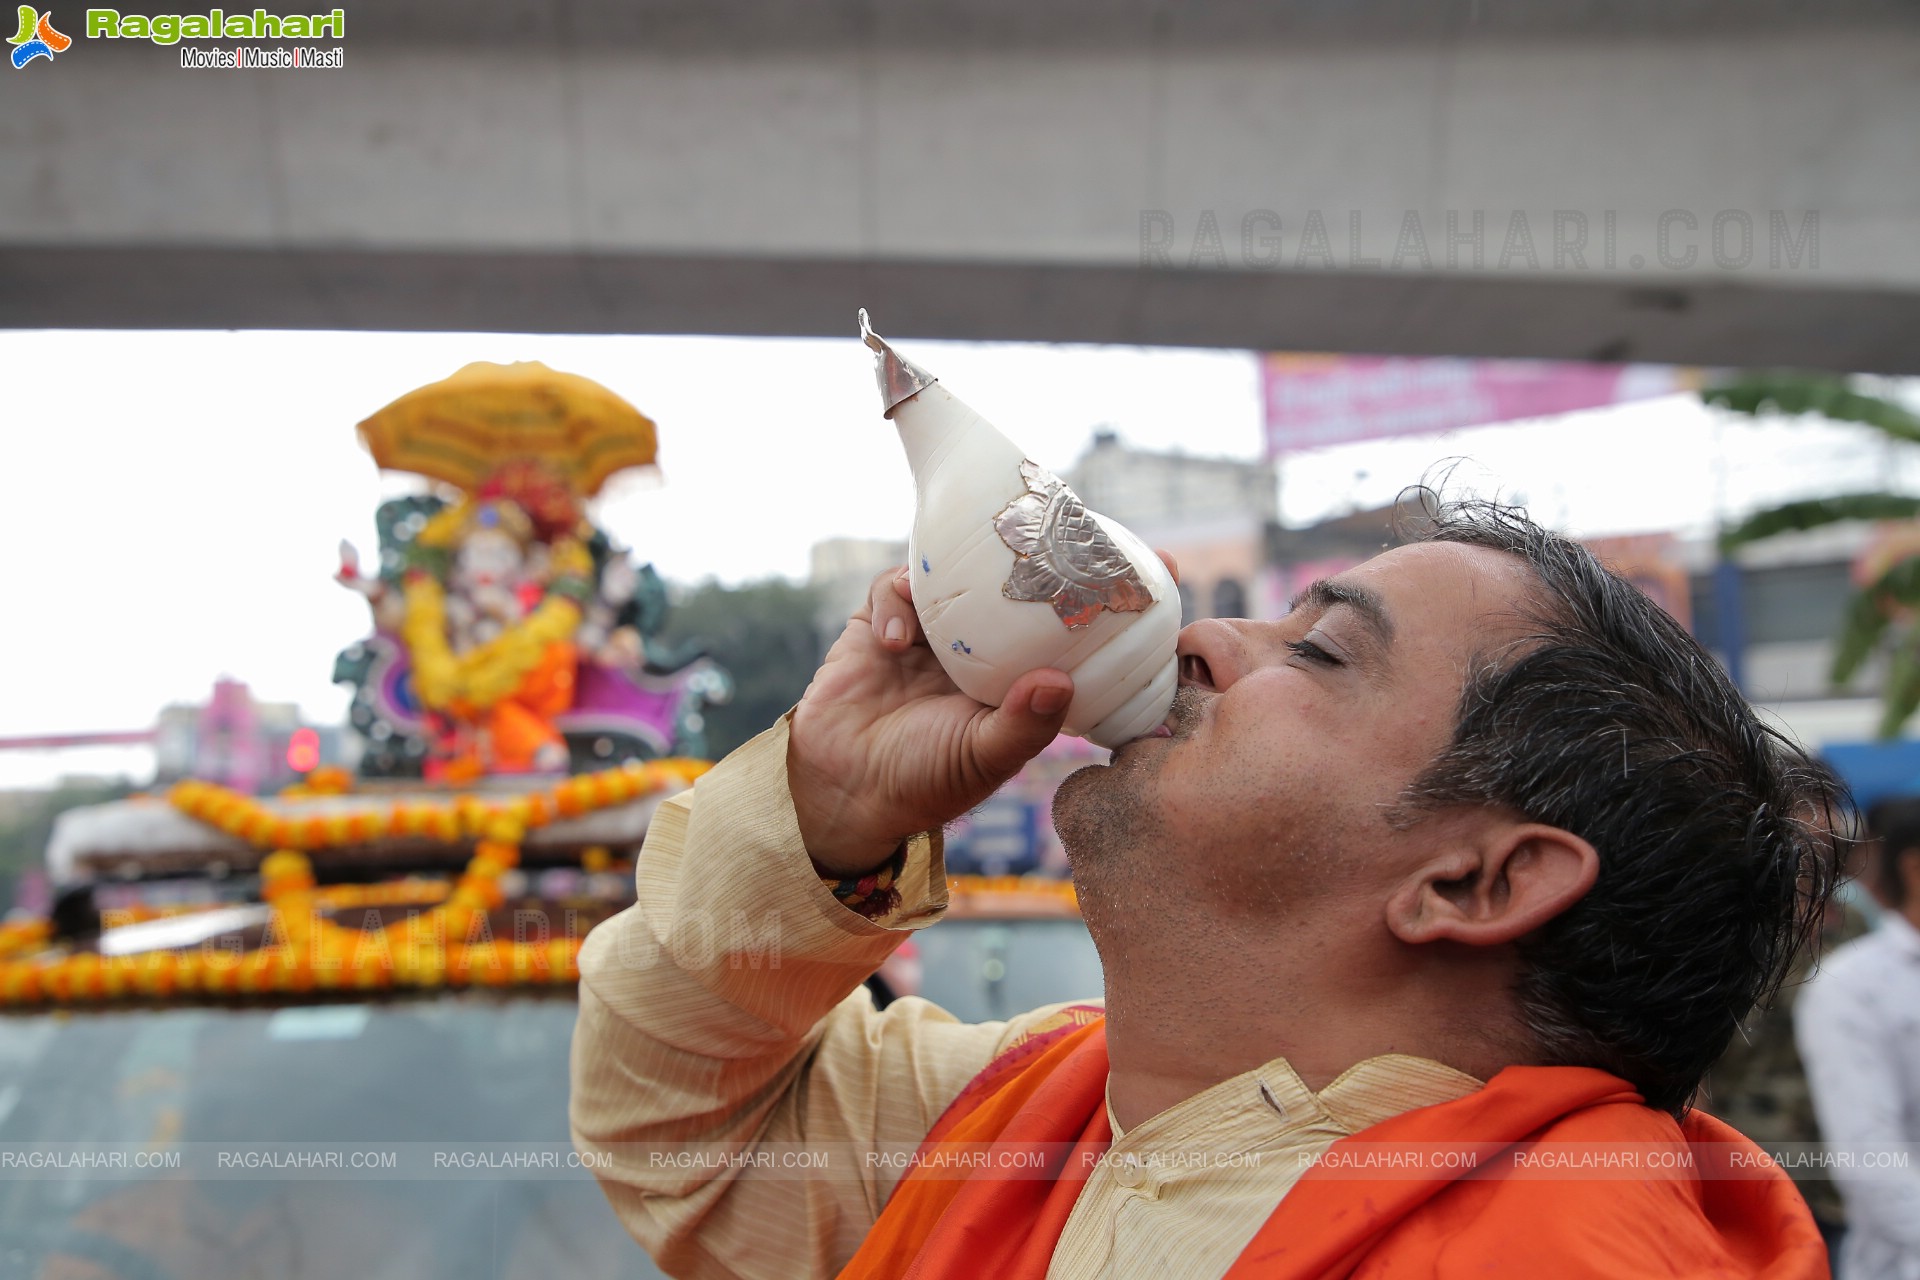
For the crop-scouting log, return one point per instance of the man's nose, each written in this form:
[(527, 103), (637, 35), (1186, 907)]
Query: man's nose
[(1213, 653)]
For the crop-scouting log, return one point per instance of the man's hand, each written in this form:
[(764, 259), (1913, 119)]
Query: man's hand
[(883, 745)]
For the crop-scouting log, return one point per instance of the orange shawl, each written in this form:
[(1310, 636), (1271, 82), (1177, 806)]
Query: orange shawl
[(1052, 1090)]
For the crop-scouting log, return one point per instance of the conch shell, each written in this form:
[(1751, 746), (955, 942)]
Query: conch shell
[(1012, 572)]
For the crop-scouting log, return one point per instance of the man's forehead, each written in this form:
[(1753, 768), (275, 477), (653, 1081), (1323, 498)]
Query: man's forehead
[(1443, 560), (1425, 584)]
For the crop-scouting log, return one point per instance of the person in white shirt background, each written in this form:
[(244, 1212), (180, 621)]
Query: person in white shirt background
[(1858, 1028)]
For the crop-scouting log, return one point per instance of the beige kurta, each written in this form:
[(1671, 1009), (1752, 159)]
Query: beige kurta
[(723, 1029)]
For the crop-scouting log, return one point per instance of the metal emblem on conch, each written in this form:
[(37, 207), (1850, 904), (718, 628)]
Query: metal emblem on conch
[(1061, 555)]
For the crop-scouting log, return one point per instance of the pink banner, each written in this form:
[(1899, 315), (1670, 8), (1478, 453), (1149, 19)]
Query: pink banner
[(1318, 400)]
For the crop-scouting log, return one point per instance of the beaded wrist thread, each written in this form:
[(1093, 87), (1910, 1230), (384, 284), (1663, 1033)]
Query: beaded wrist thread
[(872, 895)]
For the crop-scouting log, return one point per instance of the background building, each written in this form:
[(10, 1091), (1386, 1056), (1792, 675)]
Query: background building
[(1211, 513), (240, 742), (841, 572)]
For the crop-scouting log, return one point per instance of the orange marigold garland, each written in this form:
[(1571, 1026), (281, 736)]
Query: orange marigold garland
[(20, 937), (449, 943)]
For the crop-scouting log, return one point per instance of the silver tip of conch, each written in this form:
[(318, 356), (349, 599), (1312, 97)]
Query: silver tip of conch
[(900, 379)]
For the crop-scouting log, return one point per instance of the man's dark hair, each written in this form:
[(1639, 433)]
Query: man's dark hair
[(1895, 824), (1715, 834)]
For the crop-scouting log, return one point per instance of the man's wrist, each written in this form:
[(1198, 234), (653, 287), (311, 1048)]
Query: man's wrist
[(838, 855), (829, 817), (872, 894)]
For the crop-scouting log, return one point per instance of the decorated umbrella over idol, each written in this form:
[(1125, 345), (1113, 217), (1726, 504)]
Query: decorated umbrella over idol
[(511, 636), (465, 428)]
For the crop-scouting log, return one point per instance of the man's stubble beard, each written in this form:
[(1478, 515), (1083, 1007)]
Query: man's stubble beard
[(1109, 817), (1108, 822), (1112, 823)]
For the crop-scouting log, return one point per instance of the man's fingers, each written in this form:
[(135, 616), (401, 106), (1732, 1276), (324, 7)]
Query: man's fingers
[(1018, 729), (895, 625), (1166, 558)]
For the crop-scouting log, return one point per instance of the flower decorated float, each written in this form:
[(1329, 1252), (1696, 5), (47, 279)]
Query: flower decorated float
[(520, 720)]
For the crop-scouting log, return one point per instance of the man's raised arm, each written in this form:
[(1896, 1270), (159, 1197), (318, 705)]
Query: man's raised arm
[(716, 1030)]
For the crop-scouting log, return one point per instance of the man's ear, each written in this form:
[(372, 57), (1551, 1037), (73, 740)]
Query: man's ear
[(1493, 885)]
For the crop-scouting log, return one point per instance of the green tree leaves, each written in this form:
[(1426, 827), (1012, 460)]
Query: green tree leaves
[(1811, 513), (765, 635), (1828, 395), (1882, 614)]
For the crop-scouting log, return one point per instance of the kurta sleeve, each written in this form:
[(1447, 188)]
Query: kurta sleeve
[(723, 1025)]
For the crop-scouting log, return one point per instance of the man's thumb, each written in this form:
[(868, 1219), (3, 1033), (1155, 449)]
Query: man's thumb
[(1018, 729)]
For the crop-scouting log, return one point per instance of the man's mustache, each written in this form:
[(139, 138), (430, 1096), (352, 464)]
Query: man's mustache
[(1189, 707)]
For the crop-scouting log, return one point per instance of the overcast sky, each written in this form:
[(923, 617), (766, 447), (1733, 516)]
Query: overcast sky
[(173, 502)]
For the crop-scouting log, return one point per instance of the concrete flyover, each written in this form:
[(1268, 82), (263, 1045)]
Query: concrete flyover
[(1717, 182)]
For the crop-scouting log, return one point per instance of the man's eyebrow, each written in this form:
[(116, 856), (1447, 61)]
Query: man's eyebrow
[(1325, 593)]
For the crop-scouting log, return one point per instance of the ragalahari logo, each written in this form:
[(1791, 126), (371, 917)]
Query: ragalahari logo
[(37, 38)]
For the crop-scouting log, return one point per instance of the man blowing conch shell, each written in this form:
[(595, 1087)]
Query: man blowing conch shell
[(1460, 873)]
